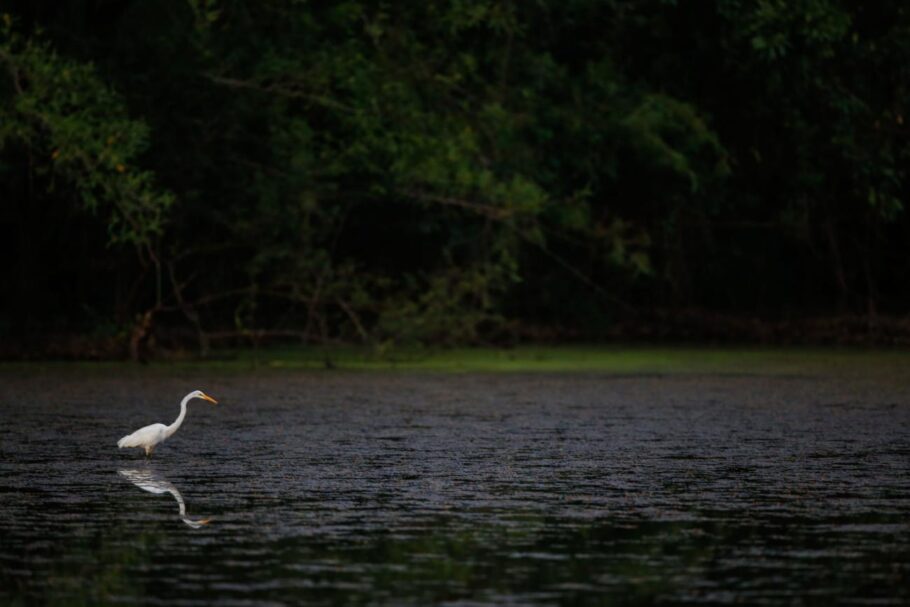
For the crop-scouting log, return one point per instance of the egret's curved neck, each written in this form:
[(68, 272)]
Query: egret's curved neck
[(173, 427)]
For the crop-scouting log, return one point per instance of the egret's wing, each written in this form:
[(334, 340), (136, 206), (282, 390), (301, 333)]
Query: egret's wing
[(142, 436)]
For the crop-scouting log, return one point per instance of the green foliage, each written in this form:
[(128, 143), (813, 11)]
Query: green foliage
[(444, 171), (659, 122), (414, 125), (80, 131)]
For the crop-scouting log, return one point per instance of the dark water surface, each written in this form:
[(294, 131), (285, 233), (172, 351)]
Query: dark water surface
[(348, 489)]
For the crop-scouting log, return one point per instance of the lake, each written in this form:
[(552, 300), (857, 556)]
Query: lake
[(341, 488)]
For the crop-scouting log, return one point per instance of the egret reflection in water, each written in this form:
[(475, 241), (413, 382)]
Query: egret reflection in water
[(153, 482)]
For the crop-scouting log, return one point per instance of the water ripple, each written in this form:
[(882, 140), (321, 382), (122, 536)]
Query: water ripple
[(457, 490)]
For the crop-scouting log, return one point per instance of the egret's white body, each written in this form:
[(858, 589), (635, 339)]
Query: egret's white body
[(150, 436)]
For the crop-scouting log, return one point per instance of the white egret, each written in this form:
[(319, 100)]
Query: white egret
[(157, 484), (149, 437)]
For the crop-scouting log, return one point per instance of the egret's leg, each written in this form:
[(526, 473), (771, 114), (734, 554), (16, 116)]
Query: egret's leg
[(148, 451)]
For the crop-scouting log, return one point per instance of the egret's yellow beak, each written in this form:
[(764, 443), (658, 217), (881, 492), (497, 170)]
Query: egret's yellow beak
[(209, 398)]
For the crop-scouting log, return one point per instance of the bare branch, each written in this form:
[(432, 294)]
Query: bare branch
[(13, 72), (279, 89), (483, 209), (355, 320)]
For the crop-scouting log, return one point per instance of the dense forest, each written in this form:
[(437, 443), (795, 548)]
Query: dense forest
[(195, 173)]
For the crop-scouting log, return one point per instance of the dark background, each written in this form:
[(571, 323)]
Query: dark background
[(195, 173)]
